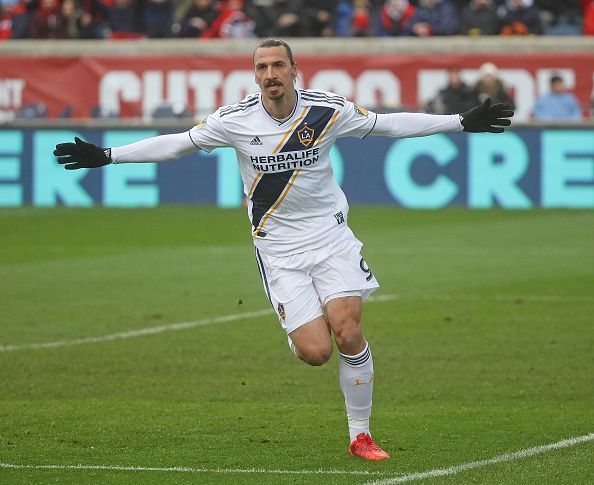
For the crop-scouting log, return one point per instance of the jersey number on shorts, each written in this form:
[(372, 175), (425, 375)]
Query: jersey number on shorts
[(365, 268)]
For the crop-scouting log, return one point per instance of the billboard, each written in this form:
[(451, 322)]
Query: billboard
[(522, 168), (134, 86)]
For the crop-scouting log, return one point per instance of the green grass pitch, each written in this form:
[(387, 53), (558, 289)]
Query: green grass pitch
[(482, 343)]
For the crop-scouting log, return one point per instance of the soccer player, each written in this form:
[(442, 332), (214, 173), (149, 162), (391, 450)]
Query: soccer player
[(310, 262)]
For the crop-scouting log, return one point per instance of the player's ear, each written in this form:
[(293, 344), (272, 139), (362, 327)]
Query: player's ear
[(294, 71)]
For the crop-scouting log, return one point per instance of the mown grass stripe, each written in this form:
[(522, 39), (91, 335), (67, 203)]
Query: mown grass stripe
[(259, 313)]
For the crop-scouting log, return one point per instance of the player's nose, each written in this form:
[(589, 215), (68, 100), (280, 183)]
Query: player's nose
[(271, 73)]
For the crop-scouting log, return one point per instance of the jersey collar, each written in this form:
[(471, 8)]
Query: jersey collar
[(282, 122)]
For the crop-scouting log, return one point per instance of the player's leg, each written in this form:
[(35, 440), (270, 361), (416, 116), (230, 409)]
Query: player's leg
[(343, 280), (355, 371), (312, 342), (293, 296), (355, 362), (343, 312)]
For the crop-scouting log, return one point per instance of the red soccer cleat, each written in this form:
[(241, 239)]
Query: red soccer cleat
[(365, 447)]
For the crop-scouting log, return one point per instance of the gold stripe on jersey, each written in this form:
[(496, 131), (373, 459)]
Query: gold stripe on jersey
[(290, 130), (327, 129), (254, 184), (277, 203), (270, 189)]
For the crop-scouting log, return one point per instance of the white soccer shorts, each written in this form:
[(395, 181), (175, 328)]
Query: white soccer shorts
[(298, 286)]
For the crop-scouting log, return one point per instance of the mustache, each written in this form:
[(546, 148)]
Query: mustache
[(272, 83)]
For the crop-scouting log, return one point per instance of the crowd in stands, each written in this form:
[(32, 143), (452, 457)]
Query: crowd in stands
[(131, 19), (136, 19), (559, 103)]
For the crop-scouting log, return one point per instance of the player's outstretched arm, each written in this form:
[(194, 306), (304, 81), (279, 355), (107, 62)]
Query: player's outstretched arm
[(484, 118), (487, 117), (81, 154)]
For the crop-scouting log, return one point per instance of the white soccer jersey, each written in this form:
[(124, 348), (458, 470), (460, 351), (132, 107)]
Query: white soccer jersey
[(294, 202)]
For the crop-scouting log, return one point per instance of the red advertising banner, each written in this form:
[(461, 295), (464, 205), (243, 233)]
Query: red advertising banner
[(134, 86)]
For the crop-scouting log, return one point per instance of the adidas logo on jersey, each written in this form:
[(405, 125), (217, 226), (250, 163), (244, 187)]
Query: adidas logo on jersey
[(256, 141)]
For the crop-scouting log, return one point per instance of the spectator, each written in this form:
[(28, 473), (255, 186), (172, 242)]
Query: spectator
[(344, 18), (286, 21), (158, 17), (123, 20), (231, 22), (87, 27), (434, 17), (13, 20), (491, 86), (459, 4), (70, 20), (46, 21), (263, 14), (520, 17), (319, 16), (275, 17), (480, 17), (395, 16), (68, 12), (589, 19), (456, 97), (198, 18), (94, 18), (558, 104), (560, 18), (361, 20)]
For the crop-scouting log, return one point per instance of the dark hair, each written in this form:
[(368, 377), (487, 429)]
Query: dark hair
[(555, 78), (272, 42)]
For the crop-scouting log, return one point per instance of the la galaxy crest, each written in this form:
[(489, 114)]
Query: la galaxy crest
[(306, 135), (360, 110), (281, 311)]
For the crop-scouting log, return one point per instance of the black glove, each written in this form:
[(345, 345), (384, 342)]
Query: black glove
[(487, 117), (81, 155)]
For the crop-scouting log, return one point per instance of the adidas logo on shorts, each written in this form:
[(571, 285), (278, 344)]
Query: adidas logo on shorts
[(256, 141)]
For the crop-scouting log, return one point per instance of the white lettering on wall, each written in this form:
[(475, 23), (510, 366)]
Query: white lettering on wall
[(237, 85), (11, 93), (378, 88), (372, 88), (334, 80), (116, 86), (205, 85)]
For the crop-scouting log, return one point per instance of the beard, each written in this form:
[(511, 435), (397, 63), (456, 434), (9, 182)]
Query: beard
[(276, 93)]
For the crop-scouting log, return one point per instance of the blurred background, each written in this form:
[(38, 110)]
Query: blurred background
[(115, 71)]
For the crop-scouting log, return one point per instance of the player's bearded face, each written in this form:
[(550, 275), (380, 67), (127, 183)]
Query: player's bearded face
[(273, 71)]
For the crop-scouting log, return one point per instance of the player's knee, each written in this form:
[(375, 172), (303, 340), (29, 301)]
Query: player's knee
[(349, 335), (316, 356)]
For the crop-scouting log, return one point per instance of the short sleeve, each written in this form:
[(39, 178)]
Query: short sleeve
[(209, 134), (355, 121)]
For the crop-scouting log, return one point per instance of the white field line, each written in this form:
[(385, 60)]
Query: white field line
[(517, 455), (153, 330), (403, 478), (136, 333), (183, 469), (258, 313)]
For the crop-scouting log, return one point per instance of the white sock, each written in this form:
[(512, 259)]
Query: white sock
[(292, 345), (356, 381)]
